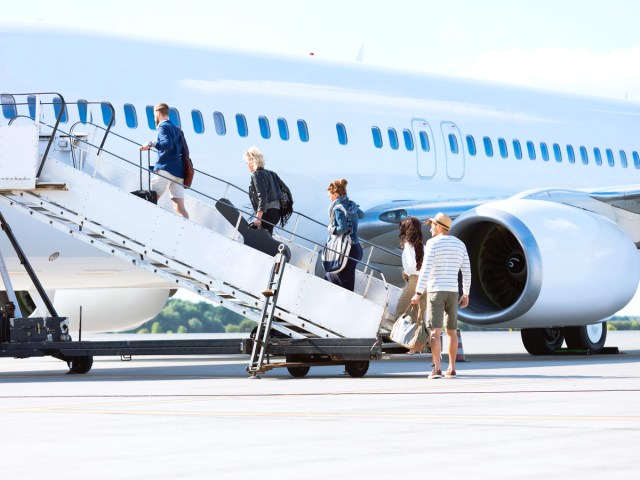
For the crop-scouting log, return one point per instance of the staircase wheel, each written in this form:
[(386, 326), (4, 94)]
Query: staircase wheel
[(357, 368), (298, 372), (80, 364)]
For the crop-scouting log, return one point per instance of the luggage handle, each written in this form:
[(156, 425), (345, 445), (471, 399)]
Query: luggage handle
[(418, 309), (148, 169)]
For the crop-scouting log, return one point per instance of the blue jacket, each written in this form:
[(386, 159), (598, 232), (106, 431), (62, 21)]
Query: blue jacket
[(169, 147), (342, 223)]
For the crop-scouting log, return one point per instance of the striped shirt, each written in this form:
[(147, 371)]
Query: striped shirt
[(444, 257)]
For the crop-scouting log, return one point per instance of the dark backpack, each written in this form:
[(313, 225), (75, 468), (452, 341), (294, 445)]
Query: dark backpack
[(286, 202)]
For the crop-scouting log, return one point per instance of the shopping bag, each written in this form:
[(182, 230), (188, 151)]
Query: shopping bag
[(408, 332)]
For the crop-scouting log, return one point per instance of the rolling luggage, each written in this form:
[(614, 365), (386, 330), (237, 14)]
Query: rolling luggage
[(148, 194)]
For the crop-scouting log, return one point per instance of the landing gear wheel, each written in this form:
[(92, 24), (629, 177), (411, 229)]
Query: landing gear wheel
[(80, 364), (357, 368), (589, 337), (542, 341)]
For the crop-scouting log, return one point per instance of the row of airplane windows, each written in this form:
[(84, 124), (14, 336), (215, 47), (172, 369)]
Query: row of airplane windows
[(9, 110)]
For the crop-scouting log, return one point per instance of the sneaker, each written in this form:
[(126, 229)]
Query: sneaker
[(435, 373), (451, 374)]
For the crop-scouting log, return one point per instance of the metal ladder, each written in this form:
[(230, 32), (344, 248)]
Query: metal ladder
[(263, 331)]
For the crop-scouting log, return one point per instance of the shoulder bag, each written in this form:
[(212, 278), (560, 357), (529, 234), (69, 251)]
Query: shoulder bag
[(186, 161)]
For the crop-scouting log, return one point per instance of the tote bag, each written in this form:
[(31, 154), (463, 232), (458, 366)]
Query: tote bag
[(408, 332), (335, 253)]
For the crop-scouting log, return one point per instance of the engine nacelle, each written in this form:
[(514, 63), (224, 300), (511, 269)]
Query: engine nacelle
[(539, 264)]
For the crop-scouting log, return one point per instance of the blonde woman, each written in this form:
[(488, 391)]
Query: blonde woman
[(264, 191)]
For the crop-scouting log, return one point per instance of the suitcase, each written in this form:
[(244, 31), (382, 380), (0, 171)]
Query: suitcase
[(148, 195)]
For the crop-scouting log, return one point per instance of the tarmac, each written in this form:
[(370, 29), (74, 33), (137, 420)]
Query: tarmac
[(507, 415)]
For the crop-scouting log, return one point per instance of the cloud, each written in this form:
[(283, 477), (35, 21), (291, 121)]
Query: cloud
[(613, 74)]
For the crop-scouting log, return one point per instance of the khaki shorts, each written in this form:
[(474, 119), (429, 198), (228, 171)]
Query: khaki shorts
[(163, 180), (442, 310)]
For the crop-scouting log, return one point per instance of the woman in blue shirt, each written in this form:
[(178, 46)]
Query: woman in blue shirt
[(344, 215)]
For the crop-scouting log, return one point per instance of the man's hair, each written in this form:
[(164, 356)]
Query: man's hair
[(162, 108)]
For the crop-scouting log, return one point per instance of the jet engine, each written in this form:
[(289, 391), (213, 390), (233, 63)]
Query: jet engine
[(538, 265)]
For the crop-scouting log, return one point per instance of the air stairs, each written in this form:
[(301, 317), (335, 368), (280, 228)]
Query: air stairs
[(91, 201)]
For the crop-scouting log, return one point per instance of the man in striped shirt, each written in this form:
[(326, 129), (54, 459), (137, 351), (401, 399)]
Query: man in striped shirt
[(444, 257)]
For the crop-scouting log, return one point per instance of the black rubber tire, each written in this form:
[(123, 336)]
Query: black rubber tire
[(80, 364), (298, 372), (357, 368), (588, 337), (542, 341)]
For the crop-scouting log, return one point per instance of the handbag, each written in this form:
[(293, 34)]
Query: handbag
[(409, 333), (335, 253), (186, 162)]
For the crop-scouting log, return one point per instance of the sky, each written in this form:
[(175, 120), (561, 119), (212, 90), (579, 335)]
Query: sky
[(582, 46)]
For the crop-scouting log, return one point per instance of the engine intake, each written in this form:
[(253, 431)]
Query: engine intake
[(514, 244)]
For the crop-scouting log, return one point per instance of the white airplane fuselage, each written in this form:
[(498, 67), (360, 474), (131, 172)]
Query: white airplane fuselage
[(484, 143)]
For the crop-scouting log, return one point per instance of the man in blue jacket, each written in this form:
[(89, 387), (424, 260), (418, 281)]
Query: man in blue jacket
[(169, 169)]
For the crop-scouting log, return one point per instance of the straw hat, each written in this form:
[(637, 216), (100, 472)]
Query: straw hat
[(440, 219)]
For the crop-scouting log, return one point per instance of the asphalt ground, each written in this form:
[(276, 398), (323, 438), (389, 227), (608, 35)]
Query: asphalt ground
[(507, 415)]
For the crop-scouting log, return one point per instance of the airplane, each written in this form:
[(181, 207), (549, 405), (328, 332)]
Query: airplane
[(543, 187)]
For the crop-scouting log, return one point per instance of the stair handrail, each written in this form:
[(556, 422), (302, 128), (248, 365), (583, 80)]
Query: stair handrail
[(249, 214)]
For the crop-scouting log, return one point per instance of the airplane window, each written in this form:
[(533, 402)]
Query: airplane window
[(174, 116), (471, 145), (584, 155), (219, 123), (342, 133), (502, 146), (57, 106), (544, 151), (151, 121), (571, 154), (517, 149), (610, 159), (31, 101), (9, 109), (377, 137), (408, 140), (453, 144), (198, 121), (265, 130), (531, 150), (623, 159), (393, 138), (488, 148), (107, 112), (241, 124), (557, 152), (596, 153), (130, 117), (424, 141), (636, 159), (303, 131), (283, 129)]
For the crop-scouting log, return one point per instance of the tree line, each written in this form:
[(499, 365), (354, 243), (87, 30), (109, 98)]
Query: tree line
[(180, 316)]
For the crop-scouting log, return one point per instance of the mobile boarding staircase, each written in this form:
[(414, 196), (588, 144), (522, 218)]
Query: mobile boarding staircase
[(85, 191)]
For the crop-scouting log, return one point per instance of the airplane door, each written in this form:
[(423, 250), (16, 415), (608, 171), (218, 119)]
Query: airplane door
[(454, 152), (425, 148)]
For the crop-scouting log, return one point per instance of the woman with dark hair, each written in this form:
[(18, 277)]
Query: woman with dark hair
[(412, 244)]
